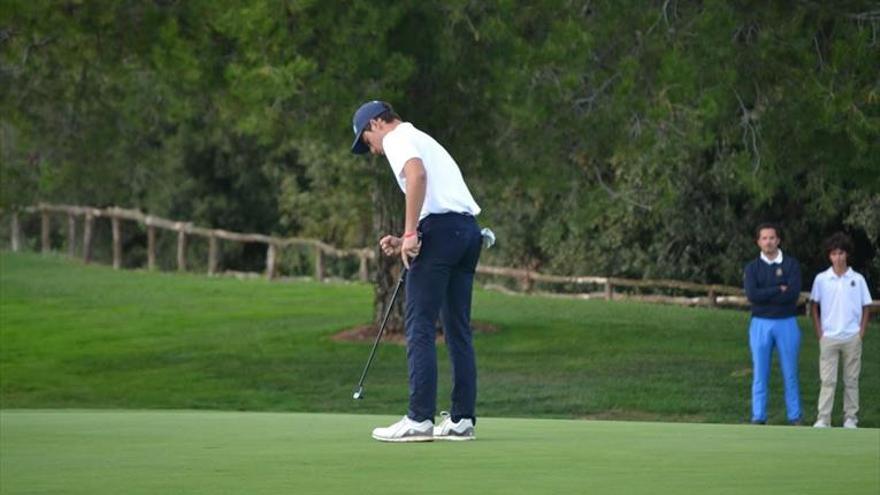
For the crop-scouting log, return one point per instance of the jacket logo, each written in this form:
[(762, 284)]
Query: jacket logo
[(779, 272)]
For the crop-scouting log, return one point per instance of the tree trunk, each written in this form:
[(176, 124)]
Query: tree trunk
[(387, 219)]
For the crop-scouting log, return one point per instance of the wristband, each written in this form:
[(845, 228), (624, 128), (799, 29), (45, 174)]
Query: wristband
[(409, 234)]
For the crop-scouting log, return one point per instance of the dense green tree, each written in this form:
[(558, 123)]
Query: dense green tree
[(642, 139)]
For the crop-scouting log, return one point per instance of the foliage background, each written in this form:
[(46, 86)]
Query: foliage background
[(640, 139)]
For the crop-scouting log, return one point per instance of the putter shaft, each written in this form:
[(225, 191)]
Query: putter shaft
[(359, 390)]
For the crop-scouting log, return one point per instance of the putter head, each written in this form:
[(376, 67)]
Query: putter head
[(488, 238), (358, 394)]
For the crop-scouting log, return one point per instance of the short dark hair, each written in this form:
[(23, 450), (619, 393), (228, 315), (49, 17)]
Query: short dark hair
[(768, 225), (388, 115), (838, 240)]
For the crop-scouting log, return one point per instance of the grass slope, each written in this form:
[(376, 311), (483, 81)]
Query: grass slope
[(226, 452), (74, 336)]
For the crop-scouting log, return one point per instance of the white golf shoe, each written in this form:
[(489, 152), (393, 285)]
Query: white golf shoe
[(447, 430), (851, 423), (406, 430), (820, 423)]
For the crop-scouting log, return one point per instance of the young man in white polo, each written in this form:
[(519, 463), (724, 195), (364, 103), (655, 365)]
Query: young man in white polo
[(840, 316), (440, 245)]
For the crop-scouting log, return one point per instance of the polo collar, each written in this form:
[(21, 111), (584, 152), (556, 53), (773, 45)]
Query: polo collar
[(777, 259), (847, 274)]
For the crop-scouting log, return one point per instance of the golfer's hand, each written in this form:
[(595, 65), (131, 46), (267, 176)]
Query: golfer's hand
[(410, 249), (390, 245)]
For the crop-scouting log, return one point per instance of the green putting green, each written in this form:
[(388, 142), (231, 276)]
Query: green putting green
[(130, 452)]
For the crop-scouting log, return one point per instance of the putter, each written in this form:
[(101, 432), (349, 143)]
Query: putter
[(359, 391), (488, 241)]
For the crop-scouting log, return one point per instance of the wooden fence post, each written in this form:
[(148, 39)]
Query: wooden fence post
[(181, 247), (117, 243), (71, 235), (212, 254), (16, 232), (609, 290), (525, 283), (88, 226), (363, 271), (271, 260), (151, 247), (44, 237), (712, 299), (319, 263)]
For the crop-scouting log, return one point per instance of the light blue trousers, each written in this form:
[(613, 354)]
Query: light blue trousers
[(785, 335)]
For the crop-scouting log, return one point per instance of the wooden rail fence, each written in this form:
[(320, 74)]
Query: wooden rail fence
[(714, 294), (710, 294), (183, 230)]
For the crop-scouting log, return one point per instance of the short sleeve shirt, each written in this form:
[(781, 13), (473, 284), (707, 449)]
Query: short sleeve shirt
[(446, 190), (841, 302)]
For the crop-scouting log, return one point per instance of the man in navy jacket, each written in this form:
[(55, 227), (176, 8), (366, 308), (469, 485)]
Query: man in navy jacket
[(773, 285)]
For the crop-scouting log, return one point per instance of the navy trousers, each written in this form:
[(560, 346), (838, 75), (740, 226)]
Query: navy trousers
[(440, 283)]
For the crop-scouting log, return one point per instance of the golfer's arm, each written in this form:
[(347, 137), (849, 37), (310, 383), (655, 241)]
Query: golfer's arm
[(817, 322), (416, 185)]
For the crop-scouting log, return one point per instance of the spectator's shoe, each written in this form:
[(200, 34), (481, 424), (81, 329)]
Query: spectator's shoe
[(406, 430), (795, 422), (851, 423), (820, 423), (759, 421), (447, 430)]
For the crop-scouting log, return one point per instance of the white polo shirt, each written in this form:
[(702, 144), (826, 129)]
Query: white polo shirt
[(446, 191), (841, 302)]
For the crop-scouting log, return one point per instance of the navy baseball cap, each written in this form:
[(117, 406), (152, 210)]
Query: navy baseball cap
[(362, 116)]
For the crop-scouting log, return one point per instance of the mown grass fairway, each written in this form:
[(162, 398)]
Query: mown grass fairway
[(74, 336), (136, 452)]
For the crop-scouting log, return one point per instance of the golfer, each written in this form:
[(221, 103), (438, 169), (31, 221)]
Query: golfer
[(440, 245)]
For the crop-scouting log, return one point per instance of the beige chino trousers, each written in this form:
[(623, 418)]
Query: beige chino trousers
[(830, 353)]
